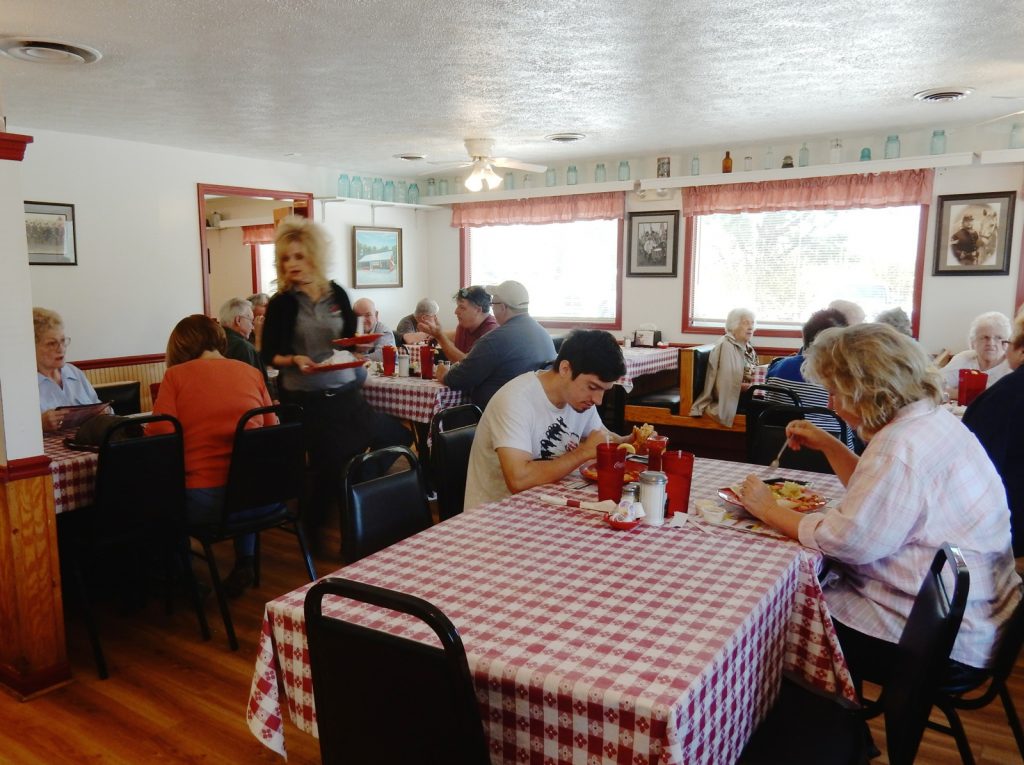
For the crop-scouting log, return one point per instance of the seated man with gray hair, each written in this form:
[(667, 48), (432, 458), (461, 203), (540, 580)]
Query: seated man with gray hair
[(366, 310), (236, 318), (259, 302), (408, 331)]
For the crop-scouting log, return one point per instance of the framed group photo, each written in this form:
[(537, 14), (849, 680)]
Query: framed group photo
[(973, 234), (50, 234), (376, 257), (653, 243)]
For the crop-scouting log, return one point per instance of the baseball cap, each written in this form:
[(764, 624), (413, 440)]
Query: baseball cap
[(511, 293)]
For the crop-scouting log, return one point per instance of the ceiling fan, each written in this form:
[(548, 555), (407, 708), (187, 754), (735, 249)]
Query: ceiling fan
[(481, 152)]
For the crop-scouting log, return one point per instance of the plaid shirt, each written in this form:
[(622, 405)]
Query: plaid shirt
[(923, 480)]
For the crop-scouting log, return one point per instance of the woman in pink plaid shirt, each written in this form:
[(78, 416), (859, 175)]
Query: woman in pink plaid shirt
[(923, 479)]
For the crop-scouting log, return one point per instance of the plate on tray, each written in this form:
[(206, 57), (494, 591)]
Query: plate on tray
[(345, 342), (317, 368), (795, 495), (632, 473)]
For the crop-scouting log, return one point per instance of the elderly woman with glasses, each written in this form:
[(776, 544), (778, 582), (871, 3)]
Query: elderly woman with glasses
[(731, 368), (60, 383), (988, 339), (923, 480), (474, 317)]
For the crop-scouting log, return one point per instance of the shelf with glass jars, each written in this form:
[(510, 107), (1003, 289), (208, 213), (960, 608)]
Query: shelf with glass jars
[(376, 203), (1002, 157), (817, 171), (541, 191)]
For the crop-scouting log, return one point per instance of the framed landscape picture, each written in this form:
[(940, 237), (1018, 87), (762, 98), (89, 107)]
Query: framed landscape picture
[(973, 234), (653, 243), (50, 234), (376, 257)]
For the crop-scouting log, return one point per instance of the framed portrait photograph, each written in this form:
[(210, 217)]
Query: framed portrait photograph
[(653, 243), (50, 234), (376, 257), (973, 234)]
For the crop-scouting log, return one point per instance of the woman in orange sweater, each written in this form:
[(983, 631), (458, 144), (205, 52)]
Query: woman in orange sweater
[(208, 394)]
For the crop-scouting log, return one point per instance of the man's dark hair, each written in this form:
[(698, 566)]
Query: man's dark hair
[(828, 317), (477, 295), (592, 352)]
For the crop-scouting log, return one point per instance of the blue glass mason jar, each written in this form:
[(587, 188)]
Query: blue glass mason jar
[(412, 196), (892, 147), (344, 188), (378, 190), (388, 193), (442, 187), (551, 177), (356, 187), (570, 176), (623, 170)]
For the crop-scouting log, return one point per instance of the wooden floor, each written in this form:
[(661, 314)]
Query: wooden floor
[(172, 698)]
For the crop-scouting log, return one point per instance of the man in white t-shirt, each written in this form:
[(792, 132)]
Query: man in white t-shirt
[(540, 426)]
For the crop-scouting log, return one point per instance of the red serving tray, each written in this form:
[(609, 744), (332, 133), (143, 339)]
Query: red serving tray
[(346, 342), (332, 367)]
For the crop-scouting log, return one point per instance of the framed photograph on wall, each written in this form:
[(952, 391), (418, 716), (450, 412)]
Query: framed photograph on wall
[(973, 234), (653, 243), (50, 234), (376, 257)]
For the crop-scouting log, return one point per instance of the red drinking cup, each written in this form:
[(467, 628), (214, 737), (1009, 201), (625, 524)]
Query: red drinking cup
[(678, 466), (972, 382), (388, 354), (609, 454), (656, 445), (611, 470), (426, 362)]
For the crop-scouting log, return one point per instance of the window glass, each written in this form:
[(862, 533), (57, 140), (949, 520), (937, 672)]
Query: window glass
[(571, 270), (786, 265), (268, 270)]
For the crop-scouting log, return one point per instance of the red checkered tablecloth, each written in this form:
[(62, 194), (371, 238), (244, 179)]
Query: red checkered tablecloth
[(410, 398), (647, 361), (74, 474), (587, 644)]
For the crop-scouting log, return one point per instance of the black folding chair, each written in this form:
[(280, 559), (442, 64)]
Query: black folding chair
[(385, 509), (953, 692), (268, 467), (769, 433), (753, 404), (451, 437), (140, 506), (806, 727), (358, 672)]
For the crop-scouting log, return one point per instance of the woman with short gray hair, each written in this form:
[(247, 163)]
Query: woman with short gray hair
[(987, 341), (730, 369)]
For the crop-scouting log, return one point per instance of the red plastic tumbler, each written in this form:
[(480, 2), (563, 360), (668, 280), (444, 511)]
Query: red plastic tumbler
[(972, 382), (678, 466), (426, 362), (611, 470), (388, 354)]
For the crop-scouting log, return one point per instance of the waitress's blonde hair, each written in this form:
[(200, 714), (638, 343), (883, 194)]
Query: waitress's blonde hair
[(873, 371), (315, 246)]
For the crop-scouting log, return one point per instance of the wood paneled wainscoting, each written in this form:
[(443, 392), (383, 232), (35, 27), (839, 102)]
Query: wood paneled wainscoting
[(146, 369)]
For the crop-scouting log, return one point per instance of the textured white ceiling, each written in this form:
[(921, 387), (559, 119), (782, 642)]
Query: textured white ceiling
[(349, 84)]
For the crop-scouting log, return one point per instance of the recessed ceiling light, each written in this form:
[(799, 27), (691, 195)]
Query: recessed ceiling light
[(48, 51), (565, 137), (943, 95), (410, 157)]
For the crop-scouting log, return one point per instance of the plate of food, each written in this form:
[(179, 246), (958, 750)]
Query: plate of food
[(640, 435), (345, 342), (632, 472), (795, 495)]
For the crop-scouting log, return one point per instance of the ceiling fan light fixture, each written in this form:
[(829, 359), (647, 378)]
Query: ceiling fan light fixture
[(482, 175)]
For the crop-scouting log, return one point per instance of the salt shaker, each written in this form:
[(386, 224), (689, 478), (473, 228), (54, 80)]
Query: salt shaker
[(631, 492), (652, 496)]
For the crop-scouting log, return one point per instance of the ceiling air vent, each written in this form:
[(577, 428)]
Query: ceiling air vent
[(48, 51), (565, 137), (943, 95), (410, 157)]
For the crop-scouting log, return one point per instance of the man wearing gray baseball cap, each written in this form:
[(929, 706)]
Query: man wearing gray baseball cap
[(518, 345)]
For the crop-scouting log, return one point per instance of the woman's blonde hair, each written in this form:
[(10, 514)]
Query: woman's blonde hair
[(43, 320), (873, 371), (192, 336), (315, 246)]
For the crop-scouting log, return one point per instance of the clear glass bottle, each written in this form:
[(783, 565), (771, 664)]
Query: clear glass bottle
[(938, 145), (865, 154), (892, 147), (727, 163), (344, 187), (527, 181), (623, 170), (551, 177), (571, 176), (769, 159), (805, 156), (509, 182), (356, 187), (431, 187), (401, 191), (442, 187), (695, 165), (1017, 136), (412, 195), (600, 176), (387, 192), (377, 190), (748, 163), (835, 153)]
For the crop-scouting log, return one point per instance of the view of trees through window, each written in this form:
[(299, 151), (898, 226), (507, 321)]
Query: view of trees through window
[(569, 269), (785, 265)]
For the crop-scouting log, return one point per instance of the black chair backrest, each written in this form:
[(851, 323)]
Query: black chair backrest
[(701, 355), (455, 417), (125, 397), (364, 679), (450, 456), (140, 480), (769, 433), (752, 404), (268, 464), (924, 649), (381, 511)]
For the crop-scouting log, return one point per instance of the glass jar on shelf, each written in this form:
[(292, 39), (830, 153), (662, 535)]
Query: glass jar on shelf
[(377, 190), (804, 156), (769, 160), (401, 191), (442, 187), (509, 181), (600, 175), (695, 165), (571, 176), (344, 187), (938, 143), (431, 187), (551, 177), (356, 187), (892, 147), (623, 170), (412, 196), (388, 192), (865, 154), (835, 154)]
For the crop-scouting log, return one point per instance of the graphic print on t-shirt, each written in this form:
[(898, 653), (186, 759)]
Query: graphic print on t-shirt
[(558, 435)]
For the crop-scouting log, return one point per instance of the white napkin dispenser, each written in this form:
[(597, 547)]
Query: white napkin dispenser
[(647, 338)]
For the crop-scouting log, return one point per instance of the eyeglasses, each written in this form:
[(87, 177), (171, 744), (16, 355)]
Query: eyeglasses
[(993, 339), (56, 345), (497, 302)]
